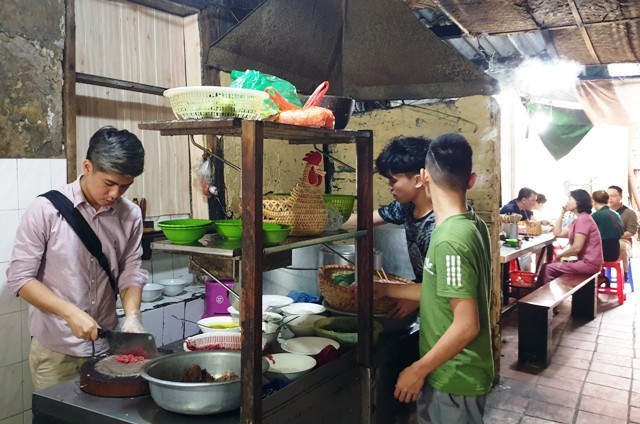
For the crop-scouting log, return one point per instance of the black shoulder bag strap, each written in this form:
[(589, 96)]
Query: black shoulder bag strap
[(82, 228)]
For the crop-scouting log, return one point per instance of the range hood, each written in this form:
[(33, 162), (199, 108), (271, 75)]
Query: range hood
[(366, 49)]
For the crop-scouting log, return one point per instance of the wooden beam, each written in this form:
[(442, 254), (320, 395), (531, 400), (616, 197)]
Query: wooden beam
[(174, 8), (583, 30), (451, 18), (119, 84), (69, 90)]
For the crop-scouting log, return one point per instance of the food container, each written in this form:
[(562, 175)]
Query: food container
[(303, 325), (151, 292), (302, 308), (164, 375), (221, 340), (272, 233), (221, 323), (288, 366), (308, 345), (184, 231), (342, 108), (173, 286)]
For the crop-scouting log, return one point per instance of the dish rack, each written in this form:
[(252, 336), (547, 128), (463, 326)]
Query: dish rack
[(211, 102)]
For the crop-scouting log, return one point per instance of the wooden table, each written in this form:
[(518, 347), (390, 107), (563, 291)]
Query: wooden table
[(542, 242)]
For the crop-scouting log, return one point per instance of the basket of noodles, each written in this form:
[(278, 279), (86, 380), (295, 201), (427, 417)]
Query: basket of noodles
[(334, 282)]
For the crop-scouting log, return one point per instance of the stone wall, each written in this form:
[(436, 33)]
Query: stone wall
[(31, 57)]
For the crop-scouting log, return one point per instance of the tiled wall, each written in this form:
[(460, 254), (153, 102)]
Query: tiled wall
[(21, 181)]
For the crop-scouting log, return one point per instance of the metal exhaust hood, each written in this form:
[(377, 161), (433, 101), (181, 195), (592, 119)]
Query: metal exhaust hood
[(366, 49)]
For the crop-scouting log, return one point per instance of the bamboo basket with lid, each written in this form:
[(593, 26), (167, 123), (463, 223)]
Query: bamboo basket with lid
[(344, 298)]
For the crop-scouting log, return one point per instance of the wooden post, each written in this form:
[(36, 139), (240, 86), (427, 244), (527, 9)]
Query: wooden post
[(251, 271)]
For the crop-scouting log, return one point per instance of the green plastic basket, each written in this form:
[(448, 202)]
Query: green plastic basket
[(342, 202)]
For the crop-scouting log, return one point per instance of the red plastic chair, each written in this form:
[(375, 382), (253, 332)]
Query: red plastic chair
[(619, 280)]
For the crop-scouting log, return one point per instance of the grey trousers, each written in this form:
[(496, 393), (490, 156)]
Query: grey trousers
[(434, 406)]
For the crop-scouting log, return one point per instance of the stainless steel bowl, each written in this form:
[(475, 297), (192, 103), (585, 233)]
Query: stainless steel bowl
[(164, 375)]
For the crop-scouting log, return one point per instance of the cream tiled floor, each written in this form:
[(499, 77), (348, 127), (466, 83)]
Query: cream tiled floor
[(594, 376)]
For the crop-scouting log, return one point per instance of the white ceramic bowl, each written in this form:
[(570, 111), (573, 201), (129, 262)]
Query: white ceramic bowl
[(173, 286), (302, 325), (288, 366), (274, 302), (308, 345), (151, 292), (233, 312), (222, 323), (271, 322), (302, 308)]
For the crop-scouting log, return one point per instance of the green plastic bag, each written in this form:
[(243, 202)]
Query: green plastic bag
[(256, 80)]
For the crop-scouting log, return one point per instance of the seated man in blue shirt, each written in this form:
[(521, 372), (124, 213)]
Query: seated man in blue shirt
[(522, 205)]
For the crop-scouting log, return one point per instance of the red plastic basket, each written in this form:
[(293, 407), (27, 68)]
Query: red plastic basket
[(522, 279)]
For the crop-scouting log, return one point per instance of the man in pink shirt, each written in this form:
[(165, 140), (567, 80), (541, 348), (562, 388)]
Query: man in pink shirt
[(69, 293)]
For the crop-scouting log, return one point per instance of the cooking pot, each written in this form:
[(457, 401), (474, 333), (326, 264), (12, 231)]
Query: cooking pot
[(344, 254), (342, 108)]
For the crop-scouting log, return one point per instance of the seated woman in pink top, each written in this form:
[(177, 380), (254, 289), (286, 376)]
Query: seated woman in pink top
[(585, 242)]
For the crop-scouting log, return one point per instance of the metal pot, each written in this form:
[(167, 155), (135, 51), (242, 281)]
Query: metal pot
[(344, 254), (164, 375)]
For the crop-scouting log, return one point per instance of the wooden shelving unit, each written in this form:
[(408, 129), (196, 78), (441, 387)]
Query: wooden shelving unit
[(251, 251)]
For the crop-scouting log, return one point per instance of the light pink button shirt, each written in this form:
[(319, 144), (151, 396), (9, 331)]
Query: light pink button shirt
[(47, 249)]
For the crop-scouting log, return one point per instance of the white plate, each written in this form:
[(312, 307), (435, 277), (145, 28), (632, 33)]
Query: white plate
[(308, 345), (303, 308), (275, 301)]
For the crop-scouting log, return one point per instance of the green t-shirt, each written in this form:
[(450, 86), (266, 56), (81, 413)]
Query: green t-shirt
[(458, 265)]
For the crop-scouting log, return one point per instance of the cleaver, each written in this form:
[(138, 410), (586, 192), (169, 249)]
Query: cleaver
[(139, 344)]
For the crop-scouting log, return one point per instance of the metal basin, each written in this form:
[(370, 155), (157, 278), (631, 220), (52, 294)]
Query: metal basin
[(164, 375)]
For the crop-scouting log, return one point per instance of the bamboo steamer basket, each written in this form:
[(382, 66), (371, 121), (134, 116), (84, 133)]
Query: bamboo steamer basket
[(344, 299)]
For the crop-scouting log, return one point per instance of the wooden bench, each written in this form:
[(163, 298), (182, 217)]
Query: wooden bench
[(535, 314)]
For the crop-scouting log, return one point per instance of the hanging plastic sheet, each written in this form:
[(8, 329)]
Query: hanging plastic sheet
[(563, 129), (611, 101)]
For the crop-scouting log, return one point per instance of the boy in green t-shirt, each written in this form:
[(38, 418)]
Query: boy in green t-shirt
[(455, 372)]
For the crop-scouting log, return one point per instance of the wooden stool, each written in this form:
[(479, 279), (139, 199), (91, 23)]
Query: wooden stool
[(619, 281)]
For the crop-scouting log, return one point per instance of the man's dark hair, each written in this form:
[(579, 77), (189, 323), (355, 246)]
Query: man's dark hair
[(403, 155), (449, 161), (583, 200), (616, 188), (116, 151), (525, 193)]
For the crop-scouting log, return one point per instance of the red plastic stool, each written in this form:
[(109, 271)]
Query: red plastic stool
[(619, 280)]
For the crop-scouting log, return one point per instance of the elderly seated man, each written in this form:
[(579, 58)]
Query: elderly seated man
[(523, 204)]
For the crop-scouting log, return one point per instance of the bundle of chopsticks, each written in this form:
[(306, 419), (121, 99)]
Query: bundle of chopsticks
[(382, 274), (510, 218)]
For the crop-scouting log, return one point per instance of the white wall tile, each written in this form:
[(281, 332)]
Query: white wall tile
[(34, 178), (10, 333), (173, 328), (28, 417), (58, 172), (16, 419), (162, 266), (152, 323), (8, 302), (10, 398), (9, 220), (9, 186), (27, 386), (193, 312)]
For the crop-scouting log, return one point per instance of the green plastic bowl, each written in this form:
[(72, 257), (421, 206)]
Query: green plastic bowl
[(344, 330), (342, 202), (230, 229), (275, 233), (184, 231)]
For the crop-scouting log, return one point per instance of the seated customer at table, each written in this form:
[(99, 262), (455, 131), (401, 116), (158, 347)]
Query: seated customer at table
[(539, 214), (523, 204), (584, 241), (610, 226)]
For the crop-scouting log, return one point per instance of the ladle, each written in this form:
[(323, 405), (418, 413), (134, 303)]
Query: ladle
[(215, 279)]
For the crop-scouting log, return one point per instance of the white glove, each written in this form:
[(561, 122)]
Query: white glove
[(133, 323)]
